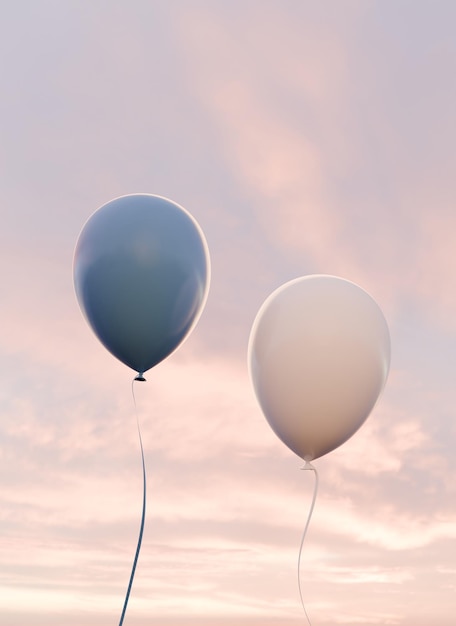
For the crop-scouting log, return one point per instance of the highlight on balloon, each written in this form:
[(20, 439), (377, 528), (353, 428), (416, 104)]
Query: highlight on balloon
[(141, 274), (319, 355)]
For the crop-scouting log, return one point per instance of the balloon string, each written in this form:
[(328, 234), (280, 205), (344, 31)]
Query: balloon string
[(138, 548), (307, 466)]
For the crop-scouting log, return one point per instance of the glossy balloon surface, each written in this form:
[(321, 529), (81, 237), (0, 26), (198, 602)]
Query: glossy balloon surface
[(141, 274), (319, 355)]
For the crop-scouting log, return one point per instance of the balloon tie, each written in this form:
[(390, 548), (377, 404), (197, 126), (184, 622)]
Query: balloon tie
[(138, 548), (307, 466)]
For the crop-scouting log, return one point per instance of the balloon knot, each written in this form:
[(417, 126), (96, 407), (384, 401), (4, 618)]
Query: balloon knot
[(308, 466), (140, 377)]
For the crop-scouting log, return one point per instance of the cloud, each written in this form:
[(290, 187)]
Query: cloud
[(321, 153)]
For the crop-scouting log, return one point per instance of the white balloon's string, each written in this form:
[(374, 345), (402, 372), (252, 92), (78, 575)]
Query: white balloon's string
[(132, 575), (307, 466)]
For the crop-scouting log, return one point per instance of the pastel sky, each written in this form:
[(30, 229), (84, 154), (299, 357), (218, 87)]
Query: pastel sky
[(305, 137)]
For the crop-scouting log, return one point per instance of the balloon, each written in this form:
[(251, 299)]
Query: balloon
[(319, 355), (141, 275)]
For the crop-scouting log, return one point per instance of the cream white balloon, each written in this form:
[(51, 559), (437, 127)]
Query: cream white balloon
[(319, 356)]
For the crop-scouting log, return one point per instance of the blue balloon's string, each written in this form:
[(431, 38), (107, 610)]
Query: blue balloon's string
[(138, 548), (307, 466)]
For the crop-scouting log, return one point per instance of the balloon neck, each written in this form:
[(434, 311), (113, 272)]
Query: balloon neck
[(308, 465), (140, 377)]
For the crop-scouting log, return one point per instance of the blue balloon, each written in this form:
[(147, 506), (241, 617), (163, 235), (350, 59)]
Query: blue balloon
[(141, 275)]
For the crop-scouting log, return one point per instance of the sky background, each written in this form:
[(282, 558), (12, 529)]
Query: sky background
[(305, 137)]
